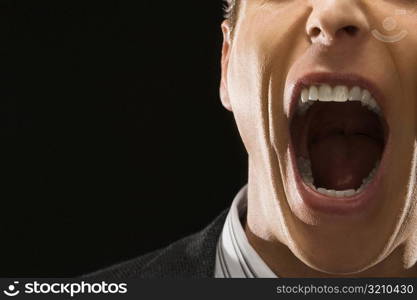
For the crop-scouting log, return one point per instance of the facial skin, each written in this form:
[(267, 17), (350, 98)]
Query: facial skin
[(276, 42)]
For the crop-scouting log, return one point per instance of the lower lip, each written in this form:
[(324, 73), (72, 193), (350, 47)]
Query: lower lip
[(353, 205)]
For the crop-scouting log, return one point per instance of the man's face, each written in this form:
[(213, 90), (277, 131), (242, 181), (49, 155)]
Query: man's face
[(324, 94)]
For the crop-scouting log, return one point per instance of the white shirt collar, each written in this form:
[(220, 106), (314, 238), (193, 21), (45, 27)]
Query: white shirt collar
[(235, 257)]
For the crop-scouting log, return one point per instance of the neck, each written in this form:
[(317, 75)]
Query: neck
[(284, 264)]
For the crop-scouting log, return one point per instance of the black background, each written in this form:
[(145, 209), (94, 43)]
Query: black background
[(113, 138)]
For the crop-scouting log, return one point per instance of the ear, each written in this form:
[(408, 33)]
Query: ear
[(224, 94)]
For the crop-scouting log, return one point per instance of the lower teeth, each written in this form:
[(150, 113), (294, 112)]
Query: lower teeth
[(304, 166)]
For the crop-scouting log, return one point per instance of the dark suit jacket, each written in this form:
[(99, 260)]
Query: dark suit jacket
[(190, 257)]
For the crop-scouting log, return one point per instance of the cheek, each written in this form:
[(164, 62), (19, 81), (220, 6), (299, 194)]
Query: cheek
[(264, 48), (406, 104), (246, 77), (405, 56)]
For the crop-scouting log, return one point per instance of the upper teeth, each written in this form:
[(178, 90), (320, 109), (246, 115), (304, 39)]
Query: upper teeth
[(340, 93)]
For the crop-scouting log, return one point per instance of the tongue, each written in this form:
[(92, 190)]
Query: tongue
[(341, 162), (342, 140)]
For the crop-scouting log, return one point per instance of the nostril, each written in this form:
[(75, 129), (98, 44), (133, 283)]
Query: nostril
[(350, 30), (326, 34), (315, 32)]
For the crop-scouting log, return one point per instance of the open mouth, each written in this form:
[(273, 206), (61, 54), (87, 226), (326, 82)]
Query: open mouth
[(339, 136)]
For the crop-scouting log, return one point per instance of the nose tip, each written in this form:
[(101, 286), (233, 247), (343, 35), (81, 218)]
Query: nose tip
[(333, 20)]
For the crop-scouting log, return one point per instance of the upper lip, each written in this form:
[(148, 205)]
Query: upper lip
[(333, 79)]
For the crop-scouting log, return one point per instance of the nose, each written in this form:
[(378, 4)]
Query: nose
[(334, 20)]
